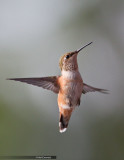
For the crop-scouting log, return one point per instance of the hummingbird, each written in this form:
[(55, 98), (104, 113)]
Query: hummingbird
[(69, 86)]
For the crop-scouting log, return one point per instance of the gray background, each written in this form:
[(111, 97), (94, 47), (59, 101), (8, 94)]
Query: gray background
[(33, 36)]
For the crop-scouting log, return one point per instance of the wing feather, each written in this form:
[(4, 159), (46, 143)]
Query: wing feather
[(49, 83), (88, 88)]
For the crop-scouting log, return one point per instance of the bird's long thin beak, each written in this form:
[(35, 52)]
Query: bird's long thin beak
[(78, 50)]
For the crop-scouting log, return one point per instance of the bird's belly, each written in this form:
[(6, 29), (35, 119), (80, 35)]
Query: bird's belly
[(70, 93)]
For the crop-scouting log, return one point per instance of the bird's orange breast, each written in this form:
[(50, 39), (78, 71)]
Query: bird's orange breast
[(70, 92)]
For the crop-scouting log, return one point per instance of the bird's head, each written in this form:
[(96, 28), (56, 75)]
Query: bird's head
[(68, 61)]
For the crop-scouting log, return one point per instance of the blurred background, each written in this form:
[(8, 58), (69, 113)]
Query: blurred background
[(33, 36)]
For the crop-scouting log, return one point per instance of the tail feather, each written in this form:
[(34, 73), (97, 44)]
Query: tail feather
[(63, 123)]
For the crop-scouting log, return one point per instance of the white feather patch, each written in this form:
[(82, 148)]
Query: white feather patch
[(65, 106), (62, 130), (59, 124), (70, 74)]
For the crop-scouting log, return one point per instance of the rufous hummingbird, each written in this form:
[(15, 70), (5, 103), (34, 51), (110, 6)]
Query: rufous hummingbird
[(69, 86)]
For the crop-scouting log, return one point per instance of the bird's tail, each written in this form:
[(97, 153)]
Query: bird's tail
[(63, 122)]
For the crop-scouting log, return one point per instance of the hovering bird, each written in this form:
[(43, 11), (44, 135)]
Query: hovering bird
[(69, 86)]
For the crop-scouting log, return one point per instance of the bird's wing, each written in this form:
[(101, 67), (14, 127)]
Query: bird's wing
[(49, 83), (87, 88)]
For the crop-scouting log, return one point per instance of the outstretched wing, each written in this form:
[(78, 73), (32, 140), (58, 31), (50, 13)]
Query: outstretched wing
[(87, 88), (49, 83)]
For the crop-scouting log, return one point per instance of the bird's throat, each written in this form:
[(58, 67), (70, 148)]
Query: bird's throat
[(70, 74)]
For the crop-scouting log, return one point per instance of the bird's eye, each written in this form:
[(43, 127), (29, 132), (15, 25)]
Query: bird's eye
[(67, 56)]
